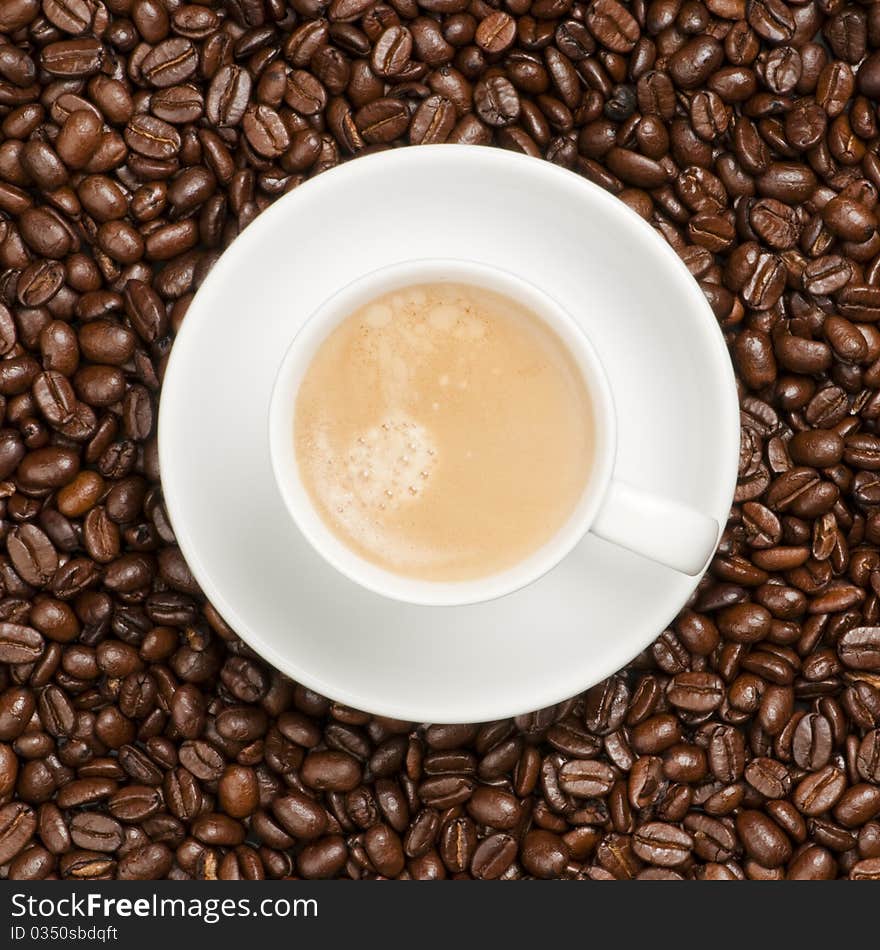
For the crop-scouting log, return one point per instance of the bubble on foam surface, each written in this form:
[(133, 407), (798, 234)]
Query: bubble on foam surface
[(385, 469), (443, 316), (378, 315), (392, 455)]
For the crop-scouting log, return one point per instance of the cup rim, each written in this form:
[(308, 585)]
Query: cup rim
[(295, 362)]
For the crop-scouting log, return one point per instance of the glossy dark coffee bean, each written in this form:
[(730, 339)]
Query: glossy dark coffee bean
[(20, 644), (493, 856), (763, 839), (662, 844), (96, 832), (391, 51), (146, 863), (612, 25), (18, 823), (544, 854), (497, 102)]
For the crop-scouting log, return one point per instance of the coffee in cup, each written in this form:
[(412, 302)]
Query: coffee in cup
[(443, 431)]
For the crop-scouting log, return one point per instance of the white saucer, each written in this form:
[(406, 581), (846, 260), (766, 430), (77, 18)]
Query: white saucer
[(664, 355)]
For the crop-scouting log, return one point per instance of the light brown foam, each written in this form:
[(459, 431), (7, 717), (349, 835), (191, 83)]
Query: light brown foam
[(443, 432)]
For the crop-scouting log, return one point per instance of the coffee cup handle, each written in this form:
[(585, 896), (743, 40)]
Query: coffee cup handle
[(663, 530)]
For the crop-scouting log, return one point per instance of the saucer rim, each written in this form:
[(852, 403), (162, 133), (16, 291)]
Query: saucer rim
[(468, 708)]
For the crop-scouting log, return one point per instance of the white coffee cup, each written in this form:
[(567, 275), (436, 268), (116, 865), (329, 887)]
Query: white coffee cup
[(658, 528)]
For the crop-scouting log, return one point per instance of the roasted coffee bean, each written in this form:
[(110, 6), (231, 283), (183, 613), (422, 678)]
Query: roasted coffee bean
[(868, 758), (768, 777), (391, 51), (432, 122), (20, 644), (79, 138), (493, 856), (45, 233), (135, 803), (152, 137), (586, 779), (218, 829), (726, 753), (335, 771), (103, 341), (544, 854), (228, 95), (265, 131), (18, 822), (859, 648), (76, 58), (87, 865), (169, 63), (146, 311), (146, 863), (384, 850), (494, 807), (606, 706), (382, 120), (696, 692), (323, 858), (858, 805), (96, 832), (763, 839), (182, 794), (496, 32), (612, 25), (497, 102), (458, 842), (238, 791), (662, 844), (73, 16)]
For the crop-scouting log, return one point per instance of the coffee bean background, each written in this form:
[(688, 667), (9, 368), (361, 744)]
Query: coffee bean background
[(139, 737)]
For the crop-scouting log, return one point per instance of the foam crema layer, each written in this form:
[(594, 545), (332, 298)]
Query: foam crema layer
[(443, 432)]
